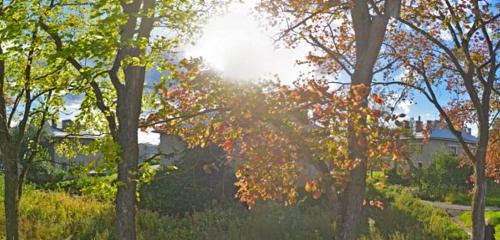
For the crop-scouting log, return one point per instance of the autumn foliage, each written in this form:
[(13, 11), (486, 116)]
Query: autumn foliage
[(279, 137)]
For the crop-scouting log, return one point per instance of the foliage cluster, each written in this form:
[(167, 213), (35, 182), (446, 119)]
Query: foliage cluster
[(406, 217), (491, 216), (201, 180), (76, 180), (446, 179), (57, 215), (444, 175)]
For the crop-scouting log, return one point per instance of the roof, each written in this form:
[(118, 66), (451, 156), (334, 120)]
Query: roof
[(438, 133), (59, 133)]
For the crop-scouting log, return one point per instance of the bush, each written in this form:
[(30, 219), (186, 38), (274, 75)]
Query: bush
[(57, 215), (394, 176), (267, 221), (45, 174), (407, 216), (492, 217), (201, 181), (444, 175)]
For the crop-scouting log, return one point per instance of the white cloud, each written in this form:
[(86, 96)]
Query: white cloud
[(404, 106), (235, 44)]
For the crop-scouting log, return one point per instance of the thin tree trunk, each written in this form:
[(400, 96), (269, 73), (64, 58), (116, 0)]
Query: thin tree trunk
[(11, 196), (479, 197)]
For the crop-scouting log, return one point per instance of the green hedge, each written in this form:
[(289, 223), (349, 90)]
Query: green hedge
[(406, 217), (492, 217)]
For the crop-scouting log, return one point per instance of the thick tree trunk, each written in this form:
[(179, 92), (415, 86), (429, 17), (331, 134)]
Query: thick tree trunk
[(369, 35), (353, 195), (127, 169), (11, 196), (128, 111), (126, 195), (479, 197), (352, 203)]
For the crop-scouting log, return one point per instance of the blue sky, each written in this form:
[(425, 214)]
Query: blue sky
[(237, 44), (242, 48)]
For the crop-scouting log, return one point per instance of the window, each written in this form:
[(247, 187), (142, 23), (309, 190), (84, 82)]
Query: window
[(453, 149)]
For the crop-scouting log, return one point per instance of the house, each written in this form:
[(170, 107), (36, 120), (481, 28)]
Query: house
[(58, 134), (171, 148), (439, 139)]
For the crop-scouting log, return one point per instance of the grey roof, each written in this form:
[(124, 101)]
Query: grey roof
[(446, 134), (59, 133)]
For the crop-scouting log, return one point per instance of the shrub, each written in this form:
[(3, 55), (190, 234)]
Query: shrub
[(45, 174), (394, 176), (493, 218), (444, 178), (201, 181), (408, 216)]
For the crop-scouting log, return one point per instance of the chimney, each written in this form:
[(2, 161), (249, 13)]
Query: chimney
[(412, 124), (419, 125), (406, 124), (430, 124), (437, 124), (66, 124)]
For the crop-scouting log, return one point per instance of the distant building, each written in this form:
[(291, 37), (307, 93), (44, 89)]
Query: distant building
[(171, 147), (58, 134), (440, 139)]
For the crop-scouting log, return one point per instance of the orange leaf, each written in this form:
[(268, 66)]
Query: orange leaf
[(376, 98)]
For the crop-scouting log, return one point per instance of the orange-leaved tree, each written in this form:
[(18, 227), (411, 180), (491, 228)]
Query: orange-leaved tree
[(451, 46), (278, 136), (348, 36)]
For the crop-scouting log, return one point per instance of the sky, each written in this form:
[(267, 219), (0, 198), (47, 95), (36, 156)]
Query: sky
[(237, 44)]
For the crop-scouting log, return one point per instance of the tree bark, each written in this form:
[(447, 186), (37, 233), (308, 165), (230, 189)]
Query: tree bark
[(8, 153), (479, 197), (369, 35), (11, 195), (128, 109), (352, 203)]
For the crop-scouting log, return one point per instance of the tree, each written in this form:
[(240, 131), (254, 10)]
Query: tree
[(349, 36), (451, 46), (112, 45), (276, 135), (30, 91)]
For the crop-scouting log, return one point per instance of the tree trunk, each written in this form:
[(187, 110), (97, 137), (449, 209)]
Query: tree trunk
[(352, 204), (353, 195), (128, 109), (126, 195), (11, 196), (479, 197)]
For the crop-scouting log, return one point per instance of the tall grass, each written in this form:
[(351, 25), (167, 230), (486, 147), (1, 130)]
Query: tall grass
[(491, 216)]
